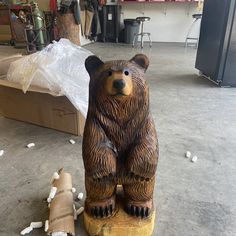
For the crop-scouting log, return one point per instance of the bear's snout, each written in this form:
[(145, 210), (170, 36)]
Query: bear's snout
[(119, 84)]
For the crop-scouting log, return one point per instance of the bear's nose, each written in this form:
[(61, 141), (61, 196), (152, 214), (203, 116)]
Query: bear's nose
[(119, 84)]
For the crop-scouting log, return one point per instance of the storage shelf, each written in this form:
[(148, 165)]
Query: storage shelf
[(19, 7)]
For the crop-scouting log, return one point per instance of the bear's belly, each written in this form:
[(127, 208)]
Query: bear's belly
[(121, 142)]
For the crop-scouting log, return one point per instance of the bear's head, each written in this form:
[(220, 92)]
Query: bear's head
[(118, 82)]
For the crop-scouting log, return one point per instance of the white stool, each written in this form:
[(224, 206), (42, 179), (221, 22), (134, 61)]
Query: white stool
[(141, 20), (197, 17)]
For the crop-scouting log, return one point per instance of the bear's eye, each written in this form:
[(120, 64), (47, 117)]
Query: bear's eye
[(109, 73), (126, 72)]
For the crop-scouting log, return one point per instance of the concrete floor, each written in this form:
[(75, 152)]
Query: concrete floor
[(191, 113)]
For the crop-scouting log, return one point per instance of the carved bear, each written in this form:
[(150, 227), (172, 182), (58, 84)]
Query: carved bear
[(120, 143)]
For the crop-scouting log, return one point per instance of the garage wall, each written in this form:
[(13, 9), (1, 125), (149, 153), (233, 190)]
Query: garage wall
[(170, 22)]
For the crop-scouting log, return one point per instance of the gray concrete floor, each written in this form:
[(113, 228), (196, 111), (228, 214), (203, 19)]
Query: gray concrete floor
[(191, 113)]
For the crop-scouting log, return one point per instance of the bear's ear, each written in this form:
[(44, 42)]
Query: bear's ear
[(92, 63), (142, 60)]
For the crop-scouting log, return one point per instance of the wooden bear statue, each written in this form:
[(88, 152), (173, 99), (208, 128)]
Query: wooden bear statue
[(120, 143)]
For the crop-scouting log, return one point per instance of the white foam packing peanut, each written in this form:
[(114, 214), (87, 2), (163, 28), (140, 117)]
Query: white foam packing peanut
[(75, 213), (55, 176), (194, 159), (59, 234), (52, 192), (46, 226), (30, 145), (80, 211), (72, 141), (188, 154), (80, 196), (36, 225), (1, 152), (26, 230)]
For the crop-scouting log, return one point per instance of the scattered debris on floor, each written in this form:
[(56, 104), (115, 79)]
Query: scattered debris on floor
[(36, 225), (30, 145), (26, 230), (33, 225), (52, 194), (49, 200), (59, 234), (194, 159), (72, 141), (55, 176), (1, 152), (80, 211), (62, 207), (80, 196), (46, 226), (75, 212), (188, 154)]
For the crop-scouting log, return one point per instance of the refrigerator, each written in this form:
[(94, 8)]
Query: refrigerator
[(216, 54)]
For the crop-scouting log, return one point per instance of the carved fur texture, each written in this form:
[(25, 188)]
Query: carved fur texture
[(120, 143)]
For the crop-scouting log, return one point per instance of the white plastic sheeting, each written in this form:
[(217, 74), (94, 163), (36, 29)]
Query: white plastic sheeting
[(60, 68)]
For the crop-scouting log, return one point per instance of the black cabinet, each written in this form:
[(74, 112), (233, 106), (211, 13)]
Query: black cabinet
[(216, 55), (110, 23)]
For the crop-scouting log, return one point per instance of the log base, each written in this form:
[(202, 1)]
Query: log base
[(120, 224)]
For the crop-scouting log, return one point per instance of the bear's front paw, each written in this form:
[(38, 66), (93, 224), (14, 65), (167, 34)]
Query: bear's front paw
[(139, 209), (138, 177), (102, 208)]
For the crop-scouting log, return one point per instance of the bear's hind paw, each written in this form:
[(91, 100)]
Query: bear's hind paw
[(142, 210), (102, 212), (102, 209)]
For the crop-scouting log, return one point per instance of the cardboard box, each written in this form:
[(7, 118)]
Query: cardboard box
[(5, 63), (41, 107), (5, 33)]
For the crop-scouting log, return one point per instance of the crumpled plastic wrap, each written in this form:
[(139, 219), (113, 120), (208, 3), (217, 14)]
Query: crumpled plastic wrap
[(60, 68)]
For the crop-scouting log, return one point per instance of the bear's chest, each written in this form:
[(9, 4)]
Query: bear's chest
[(122, 135)]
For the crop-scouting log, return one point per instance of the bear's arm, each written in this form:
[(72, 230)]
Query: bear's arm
[(98, 154), (143, 156)]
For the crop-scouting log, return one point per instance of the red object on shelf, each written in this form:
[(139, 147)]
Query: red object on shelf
[(53, 6)]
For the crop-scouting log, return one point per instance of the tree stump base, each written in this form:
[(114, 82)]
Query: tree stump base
[(119, 224)]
